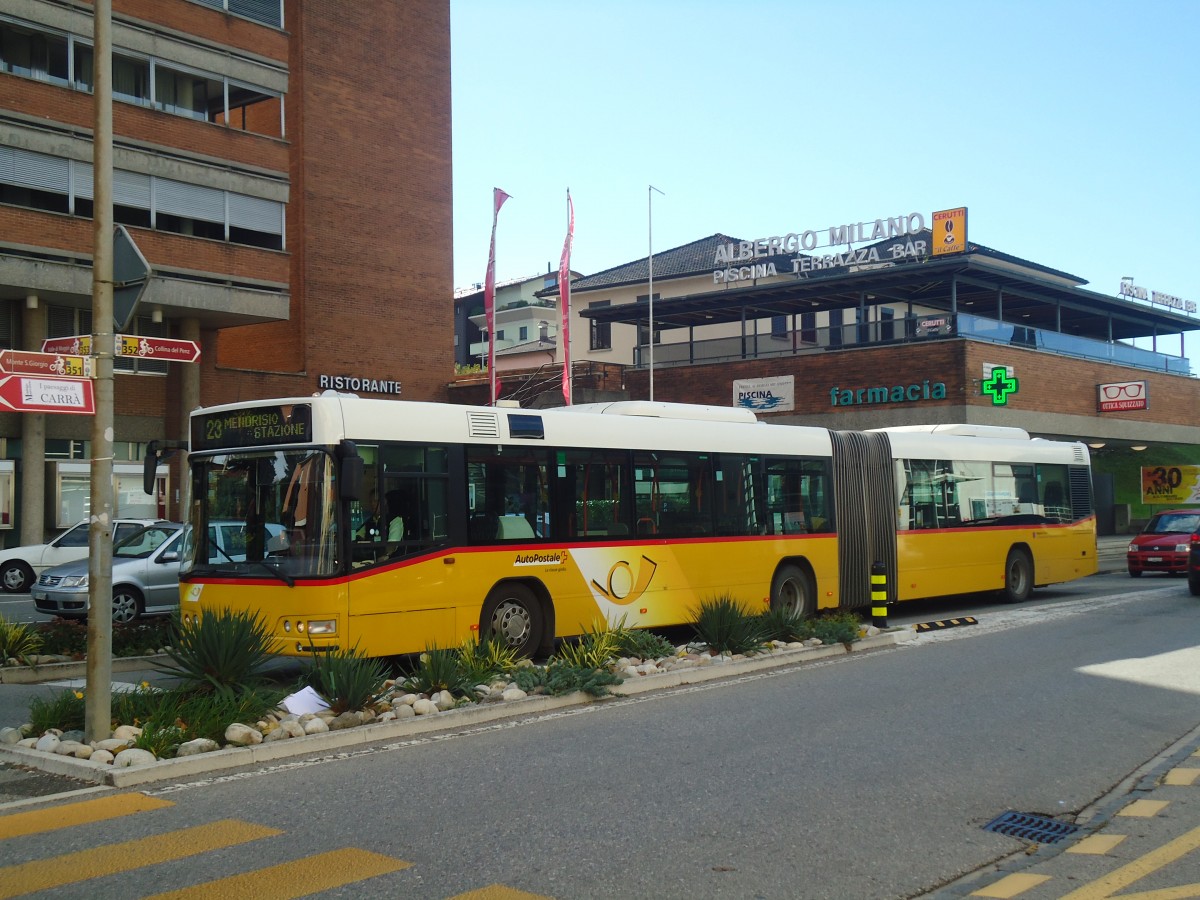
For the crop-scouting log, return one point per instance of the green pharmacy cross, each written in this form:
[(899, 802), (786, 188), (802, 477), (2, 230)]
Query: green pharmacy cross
[(998, 386)]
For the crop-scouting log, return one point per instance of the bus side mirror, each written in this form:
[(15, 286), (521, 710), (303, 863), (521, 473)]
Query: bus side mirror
[(350, 474), (156, 451)]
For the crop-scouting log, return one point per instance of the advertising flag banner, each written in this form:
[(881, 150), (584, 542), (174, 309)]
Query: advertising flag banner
[(1170, 485), (489, 291), (564, 294)]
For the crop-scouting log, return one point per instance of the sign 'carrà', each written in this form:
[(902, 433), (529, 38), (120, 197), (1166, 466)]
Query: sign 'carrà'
[(737, 262)]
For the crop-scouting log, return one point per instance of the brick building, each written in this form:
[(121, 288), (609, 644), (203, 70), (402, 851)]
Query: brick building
[(285, 169)]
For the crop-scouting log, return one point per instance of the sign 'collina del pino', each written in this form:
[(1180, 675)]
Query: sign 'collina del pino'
[(749, 260)]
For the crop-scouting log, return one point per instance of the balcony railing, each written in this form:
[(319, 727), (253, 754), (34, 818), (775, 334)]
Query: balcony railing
[(913, 329)]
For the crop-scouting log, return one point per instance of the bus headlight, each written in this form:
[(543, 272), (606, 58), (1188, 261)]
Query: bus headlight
[(322, 626)]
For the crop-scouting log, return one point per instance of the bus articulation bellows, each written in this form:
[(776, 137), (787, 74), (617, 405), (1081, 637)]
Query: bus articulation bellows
[(393, 526)]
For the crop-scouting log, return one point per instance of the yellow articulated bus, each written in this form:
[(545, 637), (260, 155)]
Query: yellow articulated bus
[(393, 526)]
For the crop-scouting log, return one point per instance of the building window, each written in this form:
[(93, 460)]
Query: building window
[(131, 80), (265, 12), (601, 332), (835, 328), (779, 326), (523, 333), (33, 54), (188, 94), (887, 324), (808, 327)]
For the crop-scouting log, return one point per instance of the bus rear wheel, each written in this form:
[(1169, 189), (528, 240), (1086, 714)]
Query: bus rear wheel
[(1018, 576), (791, 589), (512, 615)]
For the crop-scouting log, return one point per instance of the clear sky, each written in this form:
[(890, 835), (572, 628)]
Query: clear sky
[(1069, 129)]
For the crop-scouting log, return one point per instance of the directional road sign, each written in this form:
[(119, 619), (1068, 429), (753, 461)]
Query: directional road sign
[(24, 393), (131, 275), (174, 349), (20, 362)]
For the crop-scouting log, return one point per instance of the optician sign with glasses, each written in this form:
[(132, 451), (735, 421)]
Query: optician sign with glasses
[(1123, 395)]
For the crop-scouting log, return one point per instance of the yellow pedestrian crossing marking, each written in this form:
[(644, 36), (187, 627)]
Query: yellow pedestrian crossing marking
[(1119, 879), (1097, 844), (1182, 775), (1144, 809), (1011, 885), (498, 892), (82, 813), (71, 868), (295, 879)]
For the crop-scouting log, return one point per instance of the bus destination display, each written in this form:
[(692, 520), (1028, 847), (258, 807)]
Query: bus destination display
[(252, 427)]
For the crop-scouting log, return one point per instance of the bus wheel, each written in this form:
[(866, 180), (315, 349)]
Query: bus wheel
[(1018, 576), (791, 589), (513, 615)]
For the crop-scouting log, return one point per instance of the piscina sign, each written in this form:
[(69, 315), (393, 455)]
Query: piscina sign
[(773, 394), (896, 393)]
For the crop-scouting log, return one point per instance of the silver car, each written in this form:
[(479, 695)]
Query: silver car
[(145, 578)]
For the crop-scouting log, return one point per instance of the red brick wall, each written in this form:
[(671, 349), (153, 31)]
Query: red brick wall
[(369, 223)]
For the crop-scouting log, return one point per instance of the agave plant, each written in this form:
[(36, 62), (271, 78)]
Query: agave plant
[(346, 679), (726, 626), (481, 661), (224, 651), (439, 669), (17, 640)]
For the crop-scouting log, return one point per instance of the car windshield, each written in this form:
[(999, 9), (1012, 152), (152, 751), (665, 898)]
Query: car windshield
[(1174, 523), (142, 543)]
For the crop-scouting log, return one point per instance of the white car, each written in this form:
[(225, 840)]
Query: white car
[(21, 566)]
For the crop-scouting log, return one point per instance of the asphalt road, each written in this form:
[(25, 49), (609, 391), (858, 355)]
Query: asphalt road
[(868, 776)]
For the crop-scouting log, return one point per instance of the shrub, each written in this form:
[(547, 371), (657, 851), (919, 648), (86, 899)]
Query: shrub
[(439, 670), (837, 628), (17, 640), (643, 644), (64, 710), (481, 661), (782, 623), (560, 677), (225, 651), (64, 637), (141, 638), (346, 679), (596, 648), (725, 625)]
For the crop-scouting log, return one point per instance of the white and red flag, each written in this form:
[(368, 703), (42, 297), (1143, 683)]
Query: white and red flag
[(564, 295), (489, 291)]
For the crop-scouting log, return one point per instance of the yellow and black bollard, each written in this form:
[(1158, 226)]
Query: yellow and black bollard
[(879, 597)]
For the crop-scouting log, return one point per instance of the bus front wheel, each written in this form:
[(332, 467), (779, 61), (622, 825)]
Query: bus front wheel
[(791, 589), (1018, 576), (512, 615)]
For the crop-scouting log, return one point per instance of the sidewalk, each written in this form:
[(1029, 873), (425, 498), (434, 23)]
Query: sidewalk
[(1140, 840)]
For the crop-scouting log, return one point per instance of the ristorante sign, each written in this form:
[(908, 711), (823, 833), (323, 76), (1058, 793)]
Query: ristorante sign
[(749, 260)]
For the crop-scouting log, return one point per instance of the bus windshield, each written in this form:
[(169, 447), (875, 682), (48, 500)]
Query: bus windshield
[(263, 514)]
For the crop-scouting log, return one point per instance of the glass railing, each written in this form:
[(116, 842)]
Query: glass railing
[(770, 343)]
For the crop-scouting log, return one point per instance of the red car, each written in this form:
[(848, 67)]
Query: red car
[(1162, 546)]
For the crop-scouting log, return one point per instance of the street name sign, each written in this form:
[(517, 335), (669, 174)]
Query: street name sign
[(23, 393), (20, 362)]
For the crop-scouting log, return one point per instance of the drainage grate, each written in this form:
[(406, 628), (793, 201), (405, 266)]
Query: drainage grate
[(1031, 827)]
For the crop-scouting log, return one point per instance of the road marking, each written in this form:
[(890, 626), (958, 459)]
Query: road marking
[(1118, 879), (71, 868), (498, 892), (1182, 775), (1011, 885), (322, 872), (1097, 844), (56, 817), (1144, 809)]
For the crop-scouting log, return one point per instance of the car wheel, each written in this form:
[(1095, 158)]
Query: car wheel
[(513, 616), (16, 577), (1018, 576), (1135, 573), (126, 605), (1194, 583)]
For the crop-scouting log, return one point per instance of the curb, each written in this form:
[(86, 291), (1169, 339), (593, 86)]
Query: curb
[(218, 760), (58, 671)]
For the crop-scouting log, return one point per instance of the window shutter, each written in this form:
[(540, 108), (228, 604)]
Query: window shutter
[(255, 214), (33, 170), (189, 200)]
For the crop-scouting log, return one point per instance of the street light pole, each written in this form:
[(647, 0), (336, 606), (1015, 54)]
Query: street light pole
[(650, 189), (98, 694)]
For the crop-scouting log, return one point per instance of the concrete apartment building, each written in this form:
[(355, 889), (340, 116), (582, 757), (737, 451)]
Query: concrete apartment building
[(285, 169)]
